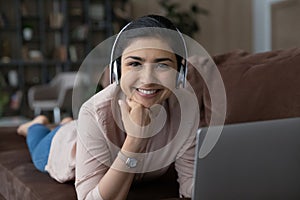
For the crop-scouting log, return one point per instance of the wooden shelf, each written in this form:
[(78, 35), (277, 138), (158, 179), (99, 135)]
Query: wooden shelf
[(50, 42)]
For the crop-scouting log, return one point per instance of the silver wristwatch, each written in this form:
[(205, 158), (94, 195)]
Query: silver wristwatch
[(129, 162)]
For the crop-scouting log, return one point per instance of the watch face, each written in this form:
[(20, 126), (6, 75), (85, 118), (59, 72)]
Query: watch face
[(131, 162)]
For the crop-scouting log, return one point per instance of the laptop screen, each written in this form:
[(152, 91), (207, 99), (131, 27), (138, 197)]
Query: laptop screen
[(256, 160)]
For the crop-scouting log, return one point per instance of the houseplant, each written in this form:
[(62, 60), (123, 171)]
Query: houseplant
[(186, 20)]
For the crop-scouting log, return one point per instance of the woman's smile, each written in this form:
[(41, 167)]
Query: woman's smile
[(146, 92)]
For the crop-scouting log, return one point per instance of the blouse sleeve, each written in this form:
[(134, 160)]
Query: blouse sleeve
[(184, 166), (185, 160), (92, 155)]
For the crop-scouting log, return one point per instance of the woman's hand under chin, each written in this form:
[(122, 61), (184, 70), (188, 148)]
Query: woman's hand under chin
[(141, 123), (138, 113)]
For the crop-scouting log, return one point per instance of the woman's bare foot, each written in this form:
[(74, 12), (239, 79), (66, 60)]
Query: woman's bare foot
[(66, 120), (23, 129)]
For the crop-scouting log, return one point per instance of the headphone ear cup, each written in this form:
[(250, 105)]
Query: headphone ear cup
[(180, 77), (115, 71)]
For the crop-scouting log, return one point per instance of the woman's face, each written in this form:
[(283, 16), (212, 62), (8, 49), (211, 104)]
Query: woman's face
[(148, 71)]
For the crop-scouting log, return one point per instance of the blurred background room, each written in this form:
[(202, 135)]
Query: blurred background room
[(41, 39)]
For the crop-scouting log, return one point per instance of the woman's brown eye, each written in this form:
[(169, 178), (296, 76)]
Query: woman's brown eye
[(134, 64)]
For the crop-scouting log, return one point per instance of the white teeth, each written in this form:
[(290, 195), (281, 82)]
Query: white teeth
[(147, 91)]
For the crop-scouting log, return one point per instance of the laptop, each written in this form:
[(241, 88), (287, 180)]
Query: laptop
[(255, 161)]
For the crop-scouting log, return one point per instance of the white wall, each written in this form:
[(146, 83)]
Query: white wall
[(262, 24), (227, 27)]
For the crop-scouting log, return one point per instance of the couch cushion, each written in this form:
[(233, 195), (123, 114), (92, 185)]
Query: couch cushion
[(12, 140), (22, 180), (260, 86)]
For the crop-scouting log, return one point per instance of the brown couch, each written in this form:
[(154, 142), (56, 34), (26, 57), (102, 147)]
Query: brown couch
[(258, 86), (20, 180)]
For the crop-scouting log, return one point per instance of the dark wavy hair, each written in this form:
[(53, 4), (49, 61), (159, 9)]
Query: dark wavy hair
[(150, 26)]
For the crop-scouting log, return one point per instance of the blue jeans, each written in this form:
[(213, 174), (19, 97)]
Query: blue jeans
[(39, 140)]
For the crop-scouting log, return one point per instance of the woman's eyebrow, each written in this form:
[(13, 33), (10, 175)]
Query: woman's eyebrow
[(135, 58), (163, 59), (156, 60)]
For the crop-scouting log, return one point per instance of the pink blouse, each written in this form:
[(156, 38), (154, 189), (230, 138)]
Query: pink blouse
[(100, 137)]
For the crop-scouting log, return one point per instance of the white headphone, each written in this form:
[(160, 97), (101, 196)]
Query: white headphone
[(114, 68), (113, 65)]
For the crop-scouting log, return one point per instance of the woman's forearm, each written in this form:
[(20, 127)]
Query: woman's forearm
[(115, 184), (117, 181)]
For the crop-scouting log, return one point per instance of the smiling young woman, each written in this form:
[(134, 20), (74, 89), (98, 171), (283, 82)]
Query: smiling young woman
[(133, 129)]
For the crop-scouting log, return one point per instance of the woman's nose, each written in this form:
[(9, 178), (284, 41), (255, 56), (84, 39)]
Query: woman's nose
[(147, 75)]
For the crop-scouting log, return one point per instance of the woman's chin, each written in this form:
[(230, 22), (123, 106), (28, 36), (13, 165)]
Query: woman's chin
[(146, 104)]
